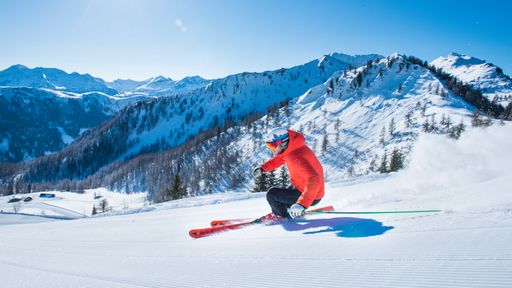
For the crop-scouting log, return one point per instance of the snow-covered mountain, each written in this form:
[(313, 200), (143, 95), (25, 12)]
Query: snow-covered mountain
[(51, 78), (39, 121), (354, 120), (45, 109), (490, 79), (158, 86), (168, 122), (156, 83), (125, 85), (51, 108), (352, 61)]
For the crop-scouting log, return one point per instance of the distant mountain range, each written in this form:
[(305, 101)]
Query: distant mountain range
[(45, 109), (159, 85), (51, 78)]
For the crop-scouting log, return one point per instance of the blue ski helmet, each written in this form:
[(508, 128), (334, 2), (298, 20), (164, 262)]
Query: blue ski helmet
[(276, 137)]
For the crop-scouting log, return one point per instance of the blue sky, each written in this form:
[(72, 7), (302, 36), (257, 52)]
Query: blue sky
[(138, 39)]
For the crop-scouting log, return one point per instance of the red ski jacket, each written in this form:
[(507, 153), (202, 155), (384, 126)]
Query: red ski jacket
[(306, 172)]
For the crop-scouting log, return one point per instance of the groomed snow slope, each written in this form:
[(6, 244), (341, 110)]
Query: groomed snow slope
[(468, 245)]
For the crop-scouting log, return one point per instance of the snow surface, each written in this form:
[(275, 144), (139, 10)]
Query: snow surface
[(66, 139), (70, 205), (468, 245)]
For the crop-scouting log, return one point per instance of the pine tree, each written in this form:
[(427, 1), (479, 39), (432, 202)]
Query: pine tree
[(426, 126), (456, 131), (396, 162), (384, 162), (104, 205), (337, 130), (272, 180), (392, 127), (325, 142), (284, 178), (447, 123), (261, 183), (408, 119), (433, 124), (476, 119), (176, 190), (359, 79), (383, 135)]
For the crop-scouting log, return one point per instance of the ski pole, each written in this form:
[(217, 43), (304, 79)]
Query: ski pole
[(374, 212)]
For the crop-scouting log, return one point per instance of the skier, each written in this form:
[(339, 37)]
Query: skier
[(306, 174)]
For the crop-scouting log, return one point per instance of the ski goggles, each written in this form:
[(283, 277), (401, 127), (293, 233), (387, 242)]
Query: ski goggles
[(274, 145)]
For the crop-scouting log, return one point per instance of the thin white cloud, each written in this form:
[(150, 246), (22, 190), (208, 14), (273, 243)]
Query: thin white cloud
[(180, 24)]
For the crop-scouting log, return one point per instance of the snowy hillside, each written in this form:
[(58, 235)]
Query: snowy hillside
[(36, 121), (164, 123), (350, 126), (468, 245), (485, 76), (355, 117), (232, 98)]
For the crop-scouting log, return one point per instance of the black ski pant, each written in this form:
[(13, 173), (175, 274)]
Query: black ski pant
[(280, 199)]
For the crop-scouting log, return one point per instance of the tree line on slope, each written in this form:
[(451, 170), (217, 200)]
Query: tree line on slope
[(470, 94)]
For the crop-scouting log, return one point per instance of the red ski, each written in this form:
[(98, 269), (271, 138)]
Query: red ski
[(216, 223), (204, 232)]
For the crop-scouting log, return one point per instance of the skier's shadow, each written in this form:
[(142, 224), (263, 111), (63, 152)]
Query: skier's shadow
[(343, 226)]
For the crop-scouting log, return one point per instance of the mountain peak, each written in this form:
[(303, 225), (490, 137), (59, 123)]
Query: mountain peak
[(17, 67), (457, 59), (193, 78), (159, 78), (479, 73), (352, 60)]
